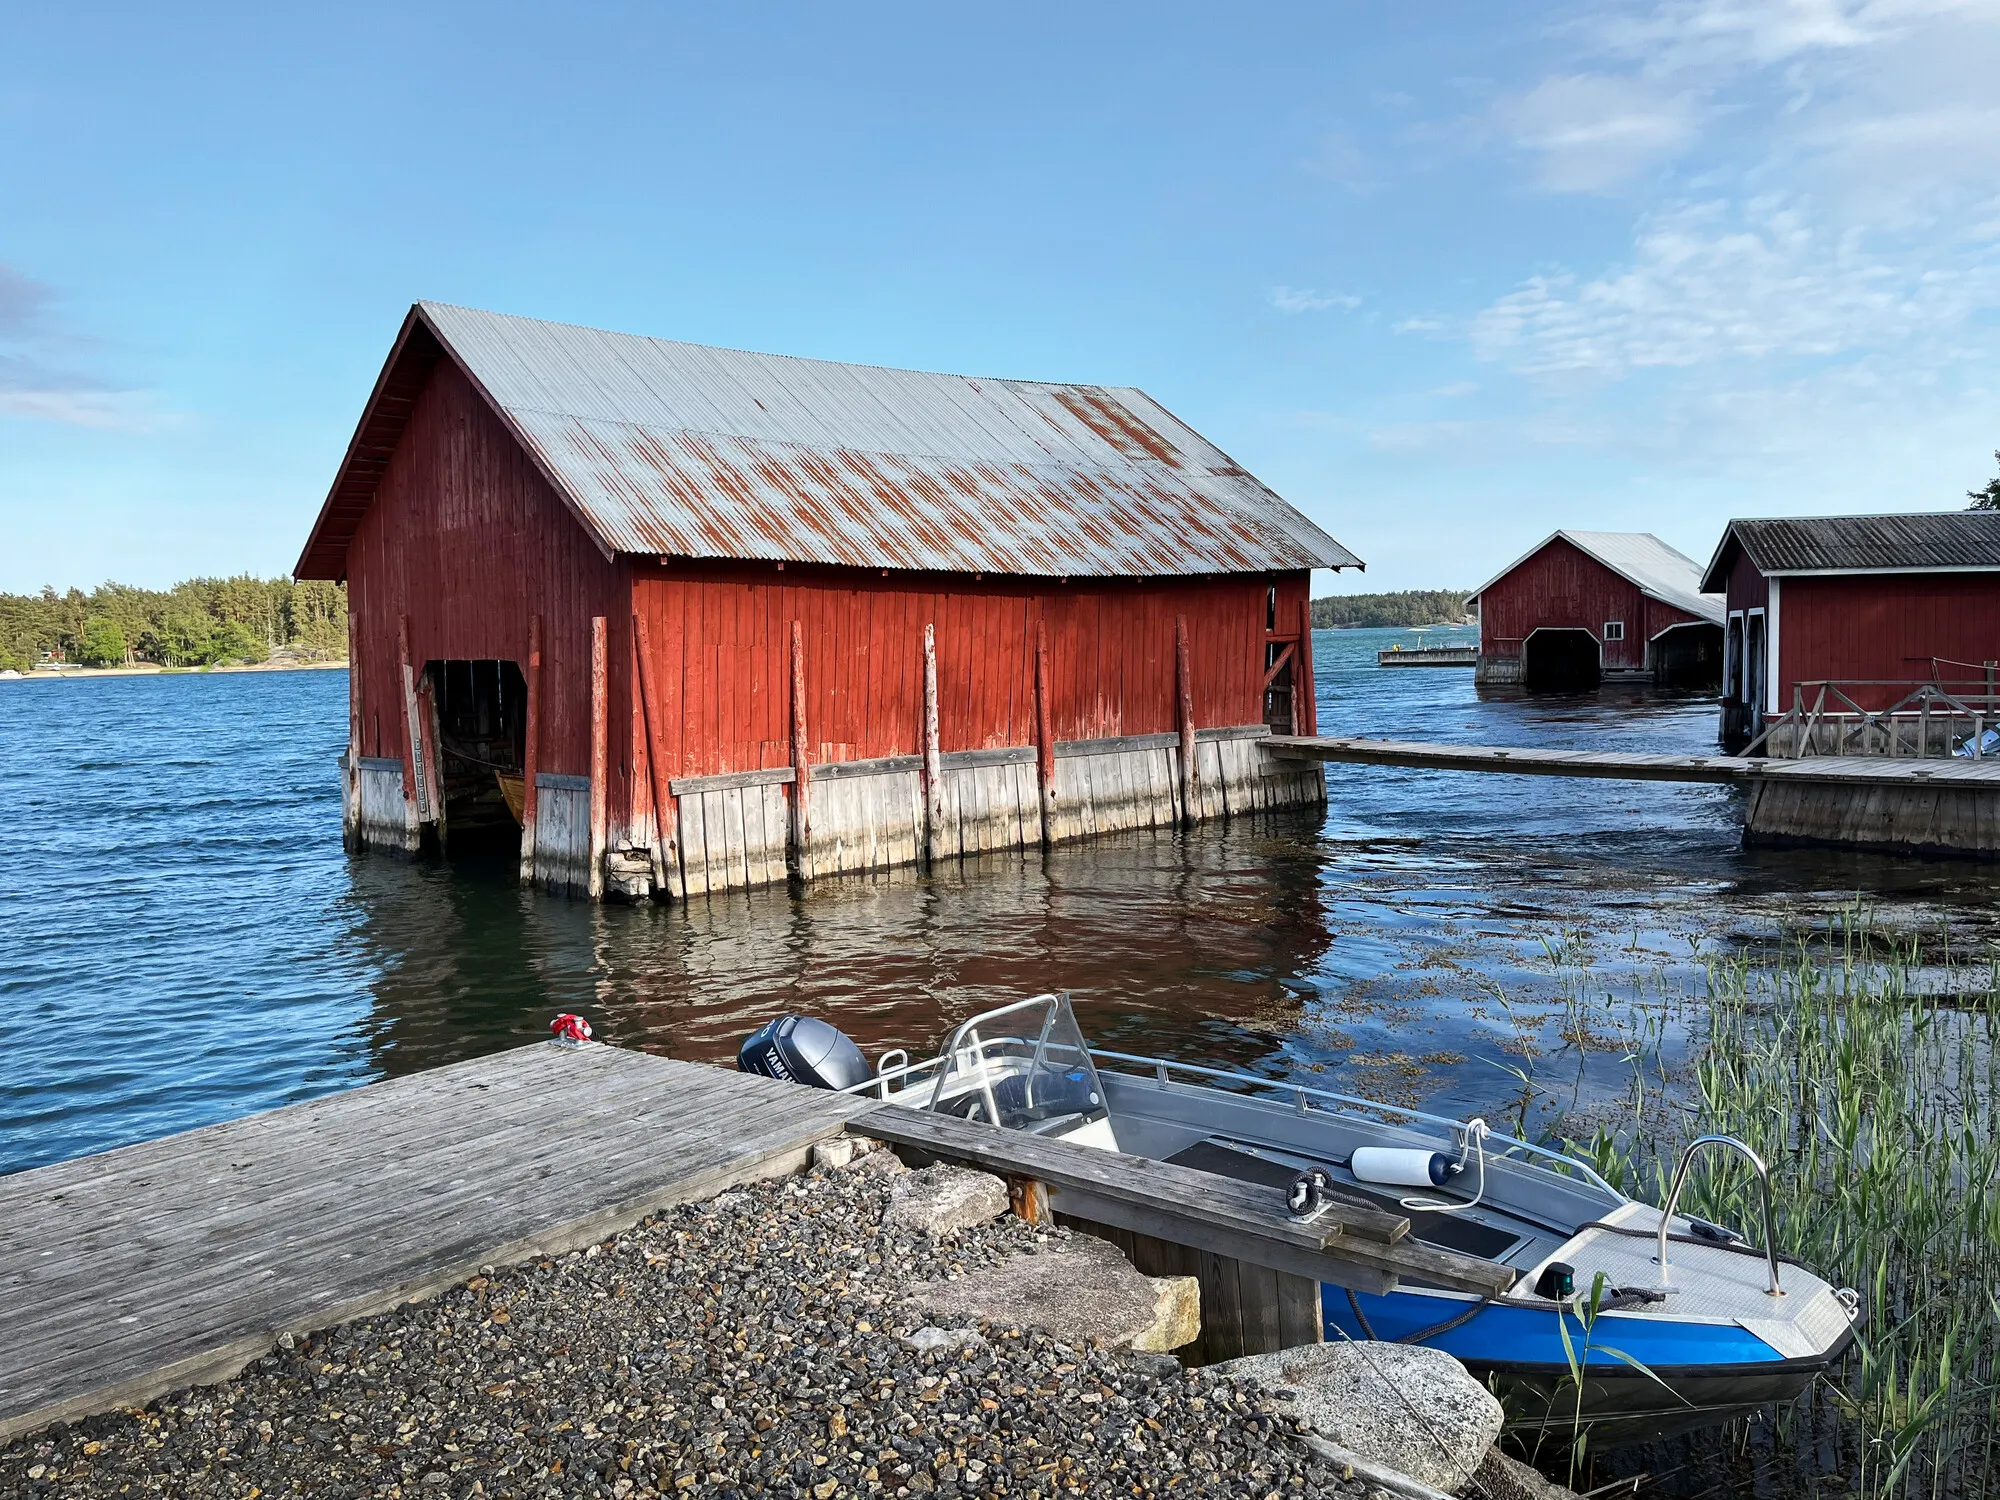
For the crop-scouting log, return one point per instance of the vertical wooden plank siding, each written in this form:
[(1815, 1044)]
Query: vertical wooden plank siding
[(467, 542), (600, 736), (530, 749), (801, 840), (934, 849)]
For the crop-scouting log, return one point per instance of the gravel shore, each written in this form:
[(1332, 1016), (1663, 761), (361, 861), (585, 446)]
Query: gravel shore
[(753, 1345)]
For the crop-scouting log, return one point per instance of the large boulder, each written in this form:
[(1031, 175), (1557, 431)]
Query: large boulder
[(1079, 1290), (1410, 1409), (943, 1200)]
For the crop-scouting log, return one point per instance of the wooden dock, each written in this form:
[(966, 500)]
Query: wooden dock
[(1912, 805), (179, 1261), (1619, 765)]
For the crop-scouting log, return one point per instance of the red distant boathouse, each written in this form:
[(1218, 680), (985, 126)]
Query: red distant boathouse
[(668, 619), (1833, 618), (1584, 607)]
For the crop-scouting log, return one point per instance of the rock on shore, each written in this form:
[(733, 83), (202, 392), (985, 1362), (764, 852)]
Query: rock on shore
[(1412, 1409), (749, 1346)]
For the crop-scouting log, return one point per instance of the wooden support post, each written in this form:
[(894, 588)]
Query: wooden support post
[(433, 762), (666, 855), (531, 744), (600, 751), (801, 840), (350, 806), (1028, 1197), (1184, 714), (1307, 720), (1045, 737), (415, 805), (933, 758)]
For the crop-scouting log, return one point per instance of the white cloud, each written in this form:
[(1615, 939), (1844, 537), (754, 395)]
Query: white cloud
[(1686, 34), (1709, 283), (1291, 299), (1591, 132), (37, 378)]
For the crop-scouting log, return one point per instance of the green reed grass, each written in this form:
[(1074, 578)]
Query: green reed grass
[(1877, 1107)]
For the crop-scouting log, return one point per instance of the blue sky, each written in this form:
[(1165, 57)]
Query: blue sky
[(1446, 275)]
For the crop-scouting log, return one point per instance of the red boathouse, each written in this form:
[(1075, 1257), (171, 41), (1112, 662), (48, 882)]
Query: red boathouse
[(1584, 607), (671, 619), (1833, 618)]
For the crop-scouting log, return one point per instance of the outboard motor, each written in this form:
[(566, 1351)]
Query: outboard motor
[(804, 1049)]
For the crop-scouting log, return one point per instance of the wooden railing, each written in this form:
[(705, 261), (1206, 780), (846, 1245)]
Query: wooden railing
[(1943, 718)]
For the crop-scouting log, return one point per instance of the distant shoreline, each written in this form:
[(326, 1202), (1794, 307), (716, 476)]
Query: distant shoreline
[(72, 674)]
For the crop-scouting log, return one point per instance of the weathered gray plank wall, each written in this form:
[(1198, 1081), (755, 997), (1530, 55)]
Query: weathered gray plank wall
[(562, 833), (869, 815), (735, 830), (1909, 818), (381, 819)]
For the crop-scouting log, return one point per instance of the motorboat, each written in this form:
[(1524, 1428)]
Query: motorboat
[(1634, 1319)]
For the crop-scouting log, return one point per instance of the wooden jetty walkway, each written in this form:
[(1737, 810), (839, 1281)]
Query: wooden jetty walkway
[(1899, 805), (178, 1261), (1620, 765)]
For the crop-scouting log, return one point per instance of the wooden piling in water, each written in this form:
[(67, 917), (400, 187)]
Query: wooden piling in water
[(1045, 735), (600, 751), (933, 755), (801, 820), (1184, 713), (531, 738)]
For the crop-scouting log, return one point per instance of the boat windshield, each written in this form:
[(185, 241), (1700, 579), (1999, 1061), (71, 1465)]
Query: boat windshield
[(1022, 1067)]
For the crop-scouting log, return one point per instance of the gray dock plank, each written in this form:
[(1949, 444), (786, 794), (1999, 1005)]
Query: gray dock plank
[(176, 1261)]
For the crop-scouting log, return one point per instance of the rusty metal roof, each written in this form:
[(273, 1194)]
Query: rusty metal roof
[(681, 450), (1951, 541)]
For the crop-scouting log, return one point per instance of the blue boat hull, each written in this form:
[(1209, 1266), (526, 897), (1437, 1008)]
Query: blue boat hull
[(1696, 1373)]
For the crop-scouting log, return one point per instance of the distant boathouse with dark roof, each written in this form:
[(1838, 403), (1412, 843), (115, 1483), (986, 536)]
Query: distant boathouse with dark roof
[(1862, 610), (671, 619)]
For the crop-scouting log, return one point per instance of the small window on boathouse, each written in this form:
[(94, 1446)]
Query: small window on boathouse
[(1614, 630)]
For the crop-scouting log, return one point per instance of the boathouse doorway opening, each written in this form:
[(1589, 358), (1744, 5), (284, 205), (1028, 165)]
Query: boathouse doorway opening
[(1561, 661), (1278, 685), (482, 736), (1688, 657)]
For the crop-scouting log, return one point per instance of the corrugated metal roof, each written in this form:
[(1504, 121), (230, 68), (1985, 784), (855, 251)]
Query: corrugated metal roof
[(1643, 560), (1942, 541), (679, 449)]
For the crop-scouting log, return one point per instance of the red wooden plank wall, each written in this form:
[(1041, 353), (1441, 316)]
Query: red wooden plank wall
[(1563, 587), (720, 635), (468, 540), (1885, 627)]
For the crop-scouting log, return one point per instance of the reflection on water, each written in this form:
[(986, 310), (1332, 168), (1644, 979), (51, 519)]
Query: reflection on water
[(182, 939)]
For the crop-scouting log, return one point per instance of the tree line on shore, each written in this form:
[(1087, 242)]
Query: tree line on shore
[(1376, 611), (199, 622)]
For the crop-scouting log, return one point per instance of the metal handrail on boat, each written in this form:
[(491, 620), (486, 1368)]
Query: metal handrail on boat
[(1303, 1092), (1775, 1289), (1161, 1068)]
